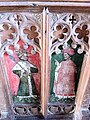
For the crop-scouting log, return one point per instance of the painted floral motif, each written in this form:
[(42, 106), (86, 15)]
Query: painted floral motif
[(7, 32), (83, 33), (60, 32), (32, 34)]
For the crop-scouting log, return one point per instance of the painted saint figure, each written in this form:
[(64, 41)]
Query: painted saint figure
[(65, 73), (24, 70)]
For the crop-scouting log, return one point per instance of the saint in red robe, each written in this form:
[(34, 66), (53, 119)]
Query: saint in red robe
[(65, 73)]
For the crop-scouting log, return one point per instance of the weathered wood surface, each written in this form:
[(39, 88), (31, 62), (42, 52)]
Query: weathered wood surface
[(44, 3), (62, 117), (49, 0)]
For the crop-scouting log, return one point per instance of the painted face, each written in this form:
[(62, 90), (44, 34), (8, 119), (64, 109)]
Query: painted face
[(66, 56)]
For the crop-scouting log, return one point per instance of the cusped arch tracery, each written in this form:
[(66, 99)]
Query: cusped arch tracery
[(70, 26), (69, 34), (20, 38), (15, 27)]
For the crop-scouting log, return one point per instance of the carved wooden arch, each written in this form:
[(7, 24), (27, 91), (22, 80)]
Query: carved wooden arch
[(20, 34), (64, 27), (45, 44)]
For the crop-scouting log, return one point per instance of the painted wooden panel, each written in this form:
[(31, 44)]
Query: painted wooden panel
[(41, 51), (20, 35), (69, 36)]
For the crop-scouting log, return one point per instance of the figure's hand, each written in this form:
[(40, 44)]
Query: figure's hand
[(56, 76), (56, 82), (56, 62), (22, 73)]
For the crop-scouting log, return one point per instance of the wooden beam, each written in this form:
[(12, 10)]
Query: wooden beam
[(51, 3), (46, 0), (44, 64)]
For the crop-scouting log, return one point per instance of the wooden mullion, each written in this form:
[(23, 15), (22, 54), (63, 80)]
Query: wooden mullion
[(81, 76), (6, 85), (85, 74), (44, 65)]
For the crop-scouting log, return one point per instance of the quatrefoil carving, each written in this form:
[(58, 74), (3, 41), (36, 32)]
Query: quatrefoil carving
[(31, 33), (83, 33), (7, 32), (60, 32)]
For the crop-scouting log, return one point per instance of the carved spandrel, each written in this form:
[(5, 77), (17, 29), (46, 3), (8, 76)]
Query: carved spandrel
[(72, 19), (18, 18)]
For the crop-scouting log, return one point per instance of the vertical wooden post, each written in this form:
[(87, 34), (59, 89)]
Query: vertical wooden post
[(6, 86), (44, 64), (84, 78), (81, 75)]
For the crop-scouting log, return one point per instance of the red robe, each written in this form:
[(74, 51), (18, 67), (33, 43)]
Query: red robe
[(64, 84)]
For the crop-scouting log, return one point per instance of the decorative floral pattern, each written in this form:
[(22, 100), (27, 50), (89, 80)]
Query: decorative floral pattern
[(59, 33), (7, 32), (31, 33), (70, 26), (83, 33)]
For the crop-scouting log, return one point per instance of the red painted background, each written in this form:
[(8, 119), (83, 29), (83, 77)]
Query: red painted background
[(13, 78)]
